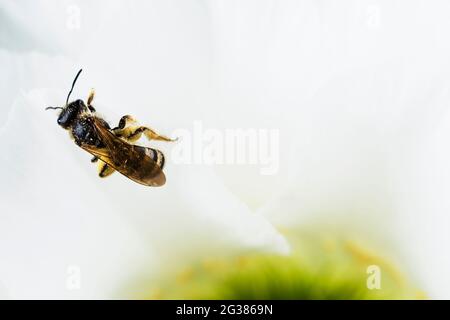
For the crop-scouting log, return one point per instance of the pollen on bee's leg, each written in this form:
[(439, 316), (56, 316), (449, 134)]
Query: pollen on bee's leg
[(125, 121), (104, 170), (91, 96), (152, 135), (131, 134)]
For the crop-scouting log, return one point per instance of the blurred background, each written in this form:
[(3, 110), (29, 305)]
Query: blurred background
[(355, 92)]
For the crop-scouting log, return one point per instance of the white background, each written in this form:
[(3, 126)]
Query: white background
[(358, 89)]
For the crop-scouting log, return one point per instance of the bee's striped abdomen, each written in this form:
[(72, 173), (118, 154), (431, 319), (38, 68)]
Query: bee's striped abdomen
[(156, 156)]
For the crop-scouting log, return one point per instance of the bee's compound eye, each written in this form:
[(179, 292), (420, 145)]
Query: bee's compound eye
[(66, 116)]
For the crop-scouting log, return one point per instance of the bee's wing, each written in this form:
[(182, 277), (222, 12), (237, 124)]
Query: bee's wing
[(135, 162)]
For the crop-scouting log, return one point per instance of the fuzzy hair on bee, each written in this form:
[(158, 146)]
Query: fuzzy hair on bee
[(113, 148)]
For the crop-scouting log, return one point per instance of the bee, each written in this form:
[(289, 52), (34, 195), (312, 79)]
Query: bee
[(113, 148)]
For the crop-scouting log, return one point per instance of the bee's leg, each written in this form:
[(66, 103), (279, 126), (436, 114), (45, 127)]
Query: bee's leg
[(104, 170), (152, 135), (124, 129), (94, 159), (134, 133), (89, 100), (130, 132), (124, 122)]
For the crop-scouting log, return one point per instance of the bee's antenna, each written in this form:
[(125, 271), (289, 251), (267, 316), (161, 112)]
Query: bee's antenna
[(53, 108), (73, 84)]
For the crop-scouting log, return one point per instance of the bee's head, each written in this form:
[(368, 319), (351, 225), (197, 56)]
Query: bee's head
[(70, 113), (71, 110)]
